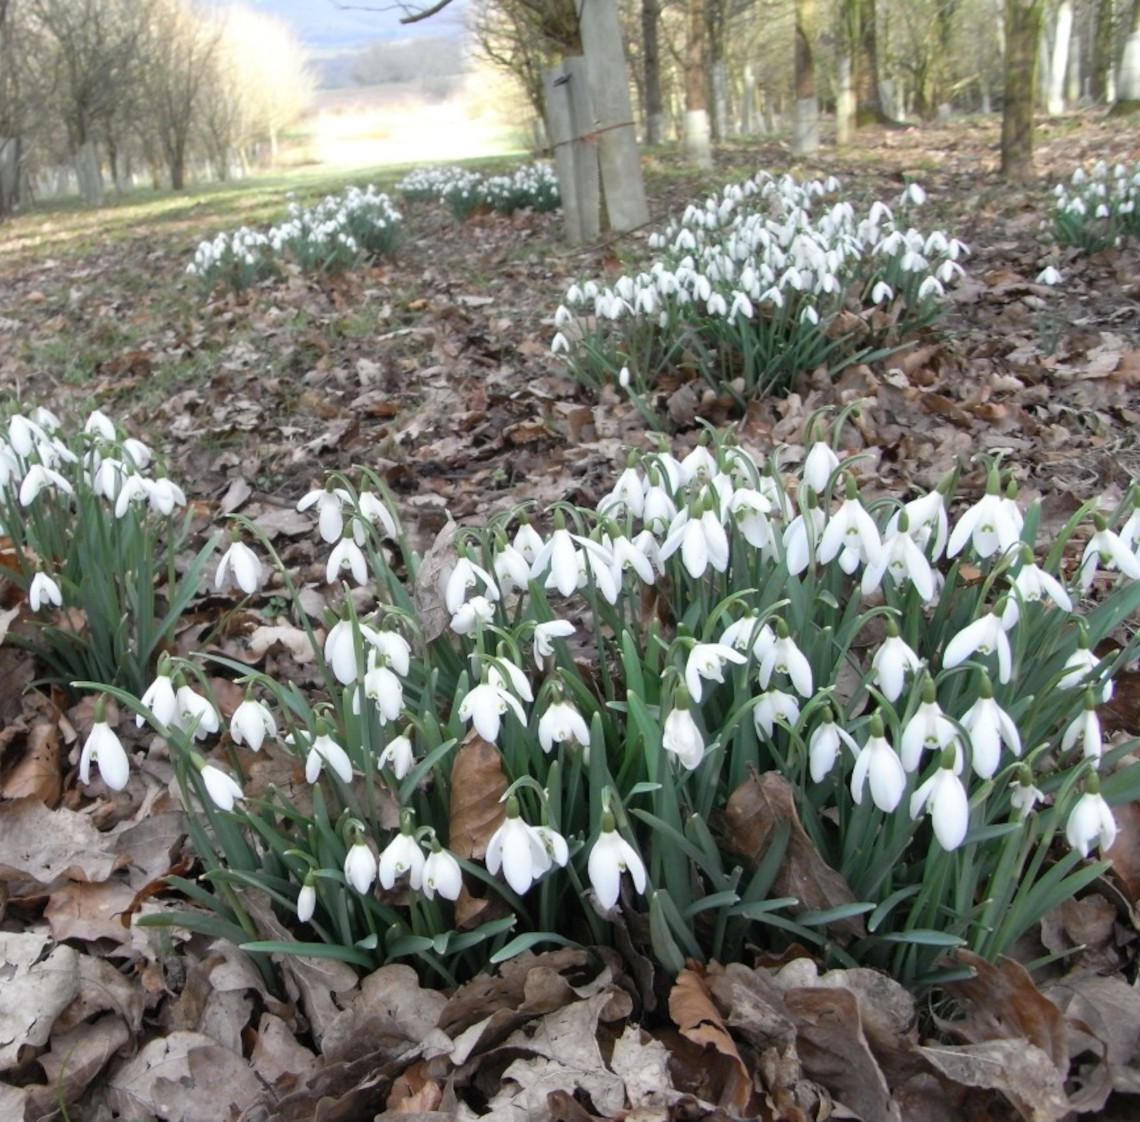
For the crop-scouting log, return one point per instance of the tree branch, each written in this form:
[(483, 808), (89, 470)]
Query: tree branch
[(411, 15)]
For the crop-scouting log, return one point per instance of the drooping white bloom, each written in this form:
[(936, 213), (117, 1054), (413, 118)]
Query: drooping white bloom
[(984, 636), (398, 756), (905, 561), (611, 856), (944, 798), (37, 478), (824, 745), (160, 699), (485, 705), (562, 722), (820, 464), (850, 534), (1030, 586), (522, 852), (326, 752), (784, 657), (346, 554), (890, 665), (1106, 550), (360, 866), (627, 494), (473, 615), (1091, 823), (442, 874), (1050, 276), (681, 737), (879, 765), (330, 510), (194, 713), (702, 542), (223, 789), (465, 576), (42, 591), (528, 541), (926, 522), (106, 749), (991, 525), (371, 508), (385, 690), (306, 902), (511, 569), (989, 727), (1080, 667), (1024, 796), (240, 565), (749, 510), (402, 856), (558, 560), (341, 652), (251, 723), (1084, 730), (800, 538), (706, 661), (636, 555), (929, 729), (545, 633), (772, 706), (164, 495)]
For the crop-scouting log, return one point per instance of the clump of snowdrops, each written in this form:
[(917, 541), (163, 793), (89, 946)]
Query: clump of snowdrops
[(93, 533), (1096, 209), (464, 192), (566, 727), (329, 237), (769, 280)]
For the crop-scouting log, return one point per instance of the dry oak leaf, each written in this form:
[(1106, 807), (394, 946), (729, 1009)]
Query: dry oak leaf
[(477, 787), (36, 990), (44, 845), (694, 1013), (755, 812)]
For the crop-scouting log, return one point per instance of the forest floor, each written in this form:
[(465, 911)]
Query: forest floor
[(435, 370)]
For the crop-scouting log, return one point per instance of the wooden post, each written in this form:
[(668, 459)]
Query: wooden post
[(569, 122), (618, 157)]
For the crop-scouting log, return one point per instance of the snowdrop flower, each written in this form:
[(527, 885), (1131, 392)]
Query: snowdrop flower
[(463, 578), (223, 789), (824, 745), (701, 540), (680, 734), (912, 195), (371, 508), (706, 661), (1091, 822), (99, 424), (772, 706), (251, 723), (402, 856), (658, 509), (133, 490), (878, 765), (929, 729), (892, 662), (784, 657), (882, 293), (1107, 550), (1030, 586), (307, 900), (1024, 796), (503, 672), (484, 707), (241, 566), (562, 722), (984, 636), (384, 688), (326, 752), (801, 536), (944, 798), (991, 525), (473, 615), (441, 873), (341, 652), (37, 478), (850, 534), (748, 632), (164, 495), (1080, 666), (193, 713), (611, 856), (511, 569), (925, 521), (989, 727), (546, 633), (558, 560), (1050, 276), (105, 748), (627, 494), (905, 561), (523, 852), (398, 756), (329, 502), (43, 591), (360, 866), (528, 541), (346, 554), (1084, 730)]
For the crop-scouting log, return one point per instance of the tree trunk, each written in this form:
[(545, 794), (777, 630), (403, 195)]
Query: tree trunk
[(844, 100), (1023, 19), (1062, 36), (805, 121), (653, 108), (89, 173), (1128, 93), (1103, 68), (698, 145)]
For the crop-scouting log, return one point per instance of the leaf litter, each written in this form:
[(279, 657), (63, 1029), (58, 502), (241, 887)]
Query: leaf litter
[(435, 370)]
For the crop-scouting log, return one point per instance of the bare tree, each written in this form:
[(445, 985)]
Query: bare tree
[(1023, 19)]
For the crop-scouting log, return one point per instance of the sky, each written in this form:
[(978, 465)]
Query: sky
[(325, 25)]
